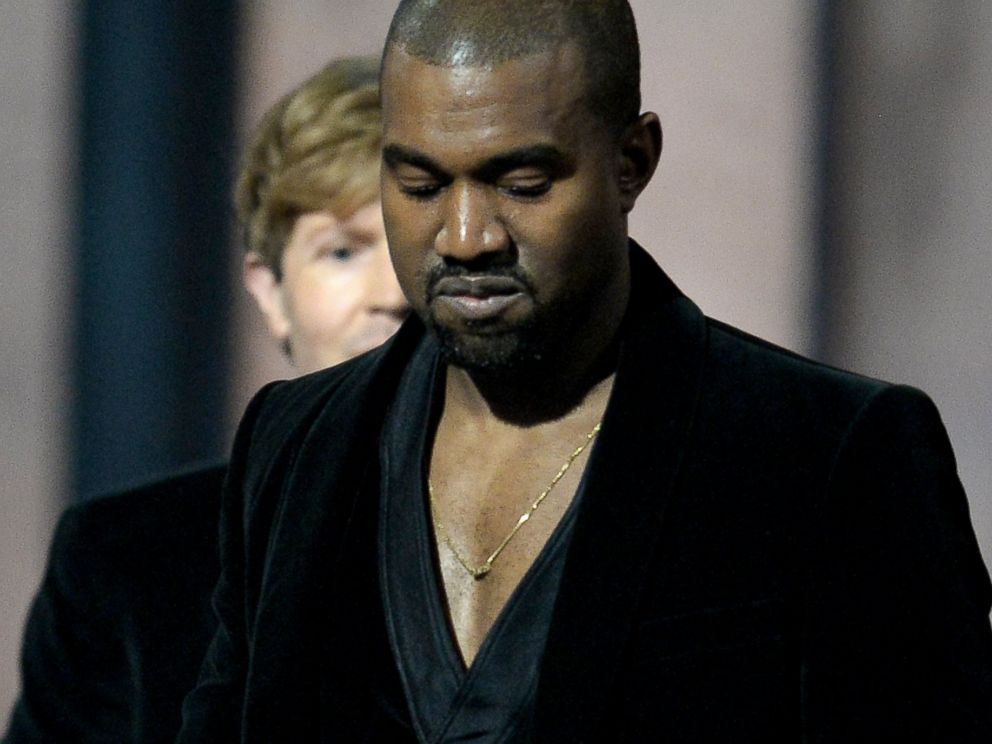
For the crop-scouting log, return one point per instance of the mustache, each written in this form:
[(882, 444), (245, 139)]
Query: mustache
[(443, 272)]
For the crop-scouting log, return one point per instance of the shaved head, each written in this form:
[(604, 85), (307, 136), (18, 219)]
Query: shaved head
[(487, 33)]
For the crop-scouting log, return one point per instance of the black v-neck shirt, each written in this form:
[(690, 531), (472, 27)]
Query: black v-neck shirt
[(491, 701)]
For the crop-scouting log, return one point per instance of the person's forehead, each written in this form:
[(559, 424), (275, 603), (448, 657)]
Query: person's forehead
[(548, 79), (316, 225)]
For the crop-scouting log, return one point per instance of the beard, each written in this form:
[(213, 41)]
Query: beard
[(505, 350)]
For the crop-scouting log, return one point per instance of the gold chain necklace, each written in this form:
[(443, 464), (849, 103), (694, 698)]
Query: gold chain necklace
[(479, 572)]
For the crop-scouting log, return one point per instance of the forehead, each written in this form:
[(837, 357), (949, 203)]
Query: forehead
[(539, 97)]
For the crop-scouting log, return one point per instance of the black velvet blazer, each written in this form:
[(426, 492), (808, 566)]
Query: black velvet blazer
[(769, 550), (119, 627)]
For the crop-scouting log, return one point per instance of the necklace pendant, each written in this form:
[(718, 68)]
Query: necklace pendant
[(479, 573)]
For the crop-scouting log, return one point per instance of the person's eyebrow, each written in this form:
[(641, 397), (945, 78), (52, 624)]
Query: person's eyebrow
[(396, 155), (544, 157)]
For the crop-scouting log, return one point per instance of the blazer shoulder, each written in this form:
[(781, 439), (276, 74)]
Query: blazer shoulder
[(286, 402), (166, 521), (176, 498), (761, 361)]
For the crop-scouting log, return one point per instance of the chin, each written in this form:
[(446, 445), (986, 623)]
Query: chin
[(488, 353)]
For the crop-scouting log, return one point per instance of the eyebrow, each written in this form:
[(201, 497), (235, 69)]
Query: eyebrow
[(540, 156), (397, 155), (545, 157)]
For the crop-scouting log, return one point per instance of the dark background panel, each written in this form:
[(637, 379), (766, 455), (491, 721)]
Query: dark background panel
[(154, 286)]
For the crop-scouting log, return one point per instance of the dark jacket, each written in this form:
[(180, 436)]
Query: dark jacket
[(117, 632), (768, 550)]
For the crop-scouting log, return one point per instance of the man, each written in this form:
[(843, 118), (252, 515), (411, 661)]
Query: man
[(120, 626), (561, 505)]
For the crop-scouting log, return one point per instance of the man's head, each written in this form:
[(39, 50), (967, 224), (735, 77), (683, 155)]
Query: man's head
[(487, 33), (308, 200), (513, 152)]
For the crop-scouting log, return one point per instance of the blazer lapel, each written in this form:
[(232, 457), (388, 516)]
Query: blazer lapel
[(320, 483), (629, 479)]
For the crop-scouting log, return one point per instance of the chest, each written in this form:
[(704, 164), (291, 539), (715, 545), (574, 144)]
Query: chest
[(684, 647), (493, 516)]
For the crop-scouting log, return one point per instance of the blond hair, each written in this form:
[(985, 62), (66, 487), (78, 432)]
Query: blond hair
[(317, 149)]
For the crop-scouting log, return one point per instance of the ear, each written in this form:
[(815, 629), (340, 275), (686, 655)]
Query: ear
[(640, 149), (262, 284)]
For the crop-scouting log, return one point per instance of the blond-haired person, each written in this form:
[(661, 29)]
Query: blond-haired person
[(123, 617), (308, 200)]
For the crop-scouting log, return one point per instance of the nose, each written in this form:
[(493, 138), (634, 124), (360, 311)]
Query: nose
[(384, 292), (472, 228)]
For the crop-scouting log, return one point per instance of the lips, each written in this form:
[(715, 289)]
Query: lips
[(477, 298)]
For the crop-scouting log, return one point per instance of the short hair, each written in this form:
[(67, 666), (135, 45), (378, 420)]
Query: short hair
[(487, 33), (317, 149)]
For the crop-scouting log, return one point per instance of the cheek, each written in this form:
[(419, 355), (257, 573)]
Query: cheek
[(410, 235), (410, 267), (562, 239), (404, 217), (565, 247), (406, 220), (322, 304)]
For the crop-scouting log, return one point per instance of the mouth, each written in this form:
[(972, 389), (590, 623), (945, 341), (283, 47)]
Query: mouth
[(477, 298)]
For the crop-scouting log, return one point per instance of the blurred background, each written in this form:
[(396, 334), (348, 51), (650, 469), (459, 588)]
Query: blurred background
[(826, 183)]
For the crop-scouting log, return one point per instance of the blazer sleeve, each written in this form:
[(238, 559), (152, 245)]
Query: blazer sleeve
[(897, 645), (75, 678), (212, 711)]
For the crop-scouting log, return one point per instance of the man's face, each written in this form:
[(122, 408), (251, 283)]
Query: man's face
[(338, 295), (501, 204)]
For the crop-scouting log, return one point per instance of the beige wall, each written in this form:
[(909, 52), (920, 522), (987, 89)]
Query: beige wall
[(36, 41), (913, 276), (729, 213)]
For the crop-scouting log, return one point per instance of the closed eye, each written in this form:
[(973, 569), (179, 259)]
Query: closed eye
[(414, 174), (528, 188), (422, 191)]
